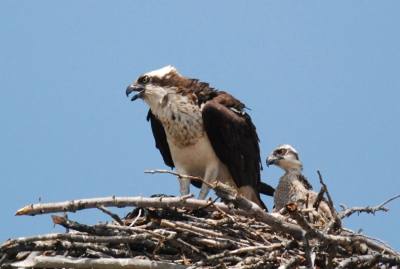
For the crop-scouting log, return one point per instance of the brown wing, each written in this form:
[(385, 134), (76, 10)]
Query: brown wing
[(233, 138), (161, 139)]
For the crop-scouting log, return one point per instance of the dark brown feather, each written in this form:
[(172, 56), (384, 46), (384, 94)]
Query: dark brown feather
[(161, 139), (265, 189), (234, 139)]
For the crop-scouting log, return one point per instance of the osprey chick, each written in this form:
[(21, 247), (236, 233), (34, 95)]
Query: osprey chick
[(293, 186), (202, 132)]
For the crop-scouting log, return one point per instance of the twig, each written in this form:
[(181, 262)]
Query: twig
[(387, 201), (178, 175), (210, 204), (137, 217), (336, 222), (372, 238), (307, 250), (256, 248), (378, 240), (210, 259), (346, 212), (222, 212), (185, 197), (4, 258), (293, 261), (166, 223), (219, 243), (332, 251), (98, 254), (319, 198), (114, 216), (334, 213), (81, 227), (182, 244), (133, 230)]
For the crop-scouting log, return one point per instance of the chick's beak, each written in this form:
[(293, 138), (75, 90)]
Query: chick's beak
[(272, 160)]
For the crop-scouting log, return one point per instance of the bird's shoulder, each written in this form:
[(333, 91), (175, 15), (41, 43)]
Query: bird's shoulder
[(304, 181), (202, 92)]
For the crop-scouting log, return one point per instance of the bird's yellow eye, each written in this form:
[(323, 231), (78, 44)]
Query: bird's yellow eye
[(144, 80)]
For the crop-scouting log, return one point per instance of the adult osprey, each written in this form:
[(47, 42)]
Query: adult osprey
[(202, 132), (293, 186)]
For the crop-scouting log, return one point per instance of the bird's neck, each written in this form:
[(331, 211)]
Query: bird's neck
[(294, 171)]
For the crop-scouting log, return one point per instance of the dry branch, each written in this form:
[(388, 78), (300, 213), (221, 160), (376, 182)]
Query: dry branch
[(77, 237), (352, 261), (81, 227), (349, 211), (179, 232), (82, 204), (111, 214), (62, 262)]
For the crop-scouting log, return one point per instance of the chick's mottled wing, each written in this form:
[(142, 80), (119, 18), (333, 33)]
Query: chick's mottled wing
[(305, 182)]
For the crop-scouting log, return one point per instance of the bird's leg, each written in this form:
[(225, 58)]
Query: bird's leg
[(185, 185), (204, 191), (210, 176)]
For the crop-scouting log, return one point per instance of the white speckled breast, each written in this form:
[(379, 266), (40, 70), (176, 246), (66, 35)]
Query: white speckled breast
[(179, 114), (182, 122), (289, 190)]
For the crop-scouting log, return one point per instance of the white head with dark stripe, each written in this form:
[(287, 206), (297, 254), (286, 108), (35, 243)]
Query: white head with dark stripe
[(153, 86), (286, 157)]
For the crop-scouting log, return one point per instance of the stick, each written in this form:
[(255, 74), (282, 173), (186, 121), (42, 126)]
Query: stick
[(76, 238), (81, 227), (66, 245), (160, 202), (334, 213), (346, 212), (178, 175), (113, 215), (352, 261), (337, 223), (64, 262)]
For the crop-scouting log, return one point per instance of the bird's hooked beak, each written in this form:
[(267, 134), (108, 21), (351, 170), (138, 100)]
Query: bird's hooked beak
[(272, 159), (135, 88)]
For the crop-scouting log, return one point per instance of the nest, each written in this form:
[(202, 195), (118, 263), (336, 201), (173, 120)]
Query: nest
[(179, 232)]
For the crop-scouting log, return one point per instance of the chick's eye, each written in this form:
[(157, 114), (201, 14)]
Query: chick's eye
[(281, 151), (144, 80)]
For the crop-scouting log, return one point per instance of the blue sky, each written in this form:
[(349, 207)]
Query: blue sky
[(323, 76)]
